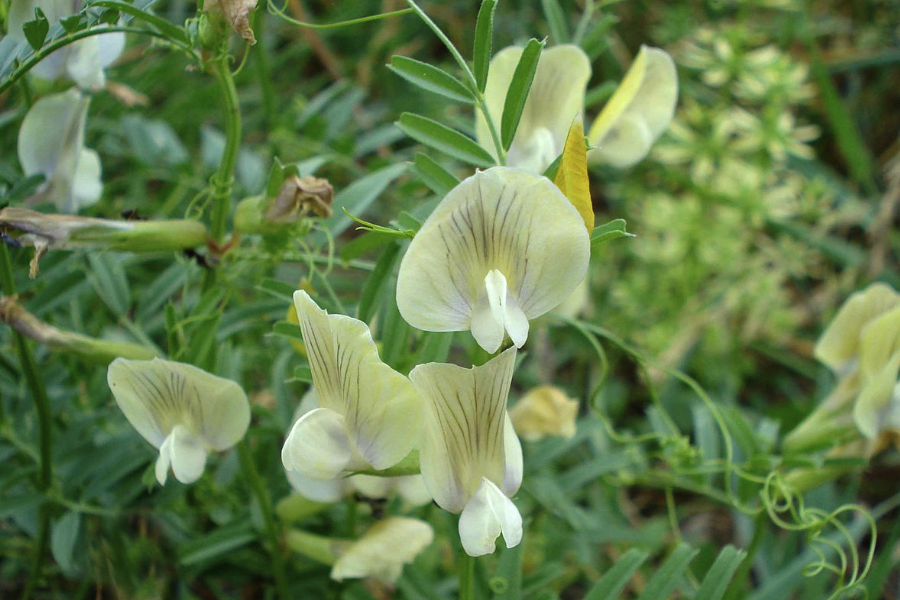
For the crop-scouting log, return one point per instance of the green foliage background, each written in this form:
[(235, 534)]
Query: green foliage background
[(770, 199)]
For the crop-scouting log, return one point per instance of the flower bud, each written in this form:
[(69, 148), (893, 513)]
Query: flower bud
[(544, 411)]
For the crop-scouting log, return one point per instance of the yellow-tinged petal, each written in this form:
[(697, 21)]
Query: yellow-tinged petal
[(543, 411), (465, 428), (156, 395), (503, 246), (379, 406), (180, 409), (639, 111), (877, 406), (572, 176), (556, 97), (383, 550), (878, 342), (839, 345)]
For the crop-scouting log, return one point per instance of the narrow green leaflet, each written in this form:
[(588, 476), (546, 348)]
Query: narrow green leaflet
[(518, 91), (438, 179), (556, 20), (715, 584), (614, 581), (431, 79), (484, 32), (607, 232), (669, 574), (63, 536), (443, 139)]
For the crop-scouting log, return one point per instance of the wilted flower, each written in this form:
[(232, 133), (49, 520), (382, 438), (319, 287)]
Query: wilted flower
[(51, 143), (97, 350), (368, 412), (26, 227), (638, 112), (504, 246), (470, 456), (180, 409), (410, 487), (82, 61), (543, 411), (380, 553), (554, 101)]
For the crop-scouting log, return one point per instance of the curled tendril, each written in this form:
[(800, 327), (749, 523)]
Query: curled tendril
[(784, 507)]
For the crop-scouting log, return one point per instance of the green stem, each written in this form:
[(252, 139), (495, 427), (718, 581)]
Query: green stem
[(466, 576), (224, 177), (71, 38), (743, 570), (263, 70), (265, 506), (42, 407)]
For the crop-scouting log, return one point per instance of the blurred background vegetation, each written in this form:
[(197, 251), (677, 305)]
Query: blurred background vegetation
[(772, 197)]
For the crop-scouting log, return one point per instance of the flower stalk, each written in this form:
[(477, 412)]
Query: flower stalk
[(262, 497), (224, 177)]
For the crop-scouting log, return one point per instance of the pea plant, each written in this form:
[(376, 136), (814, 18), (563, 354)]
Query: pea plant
[(337, 344)]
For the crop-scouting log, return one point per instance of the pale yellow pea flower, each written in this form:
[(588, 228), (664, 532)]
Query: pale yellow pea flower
[(544, 411), (180, 409), (555, 99), (411, 488), (639, 111), (470, 456), (51, 143), (504, 246), (368, 413)]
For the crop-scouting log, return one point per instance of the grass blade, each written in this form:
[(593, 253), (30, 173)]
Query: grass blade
[(443, 139), (518, 91), (669, 574), (614, 581), (556, 20), (715, 584)]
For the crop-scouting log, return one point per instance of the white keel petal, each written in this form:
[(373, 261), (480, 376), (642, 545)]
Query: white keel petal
[(318, 445), (187, 454), (488, 515)]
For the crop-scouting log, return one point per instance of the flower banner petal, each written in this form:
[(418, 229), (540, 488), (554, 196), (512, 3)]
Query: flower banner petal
[(505, 219), (463, 440)]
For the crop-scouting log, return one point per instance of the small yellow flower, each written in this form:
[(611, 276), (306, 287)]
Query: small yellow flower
[(544, 411)]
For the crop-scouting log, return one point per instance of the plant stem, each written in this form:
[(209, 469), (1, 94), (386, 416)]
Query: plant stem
[(224, 177), (263, 70), (265, 506), (466, 576), (42, 407)]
